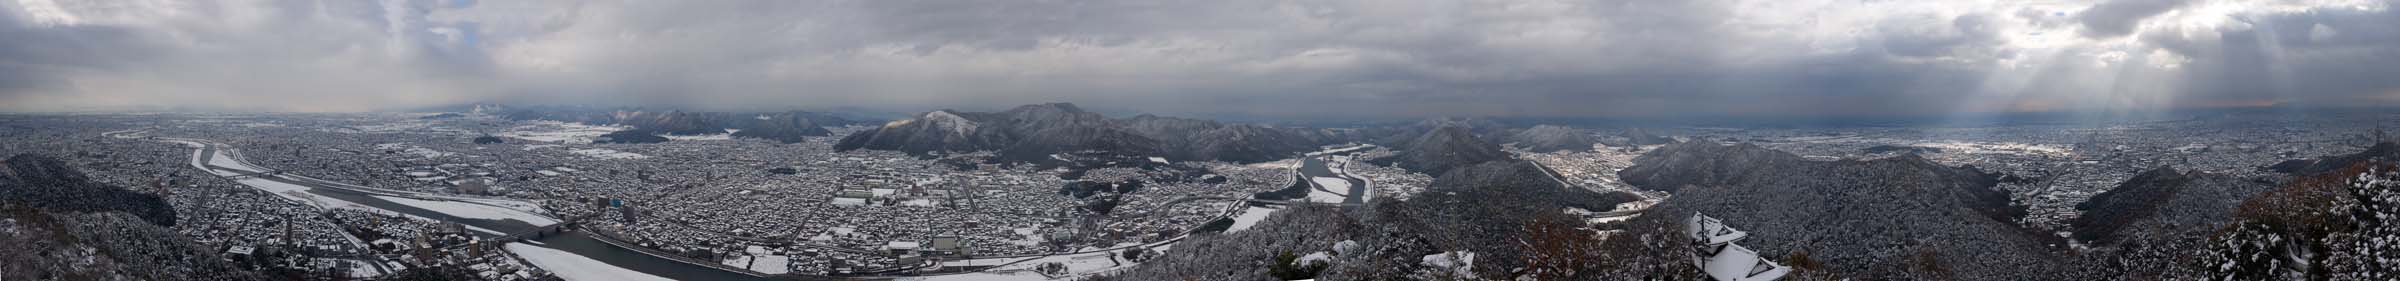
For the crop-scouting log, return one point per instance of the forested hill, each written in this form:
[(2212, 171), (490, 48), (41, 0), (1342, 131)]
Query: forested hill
[(1894, 218)]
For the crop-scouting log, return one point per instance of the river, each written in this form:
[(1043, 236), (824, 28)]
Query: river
[(1314, 167), (575, 242)]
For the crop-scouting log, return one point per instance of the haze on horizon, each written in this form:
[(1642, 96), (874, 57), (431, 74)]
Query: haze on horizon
[(1340, 58)]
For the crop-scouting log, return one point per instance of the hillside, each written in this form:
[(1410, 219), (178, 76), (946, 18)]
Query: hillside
[(2146, 226), (2383, 150), (1485, 209), (787, 126), (1034, 132), (55, 224), (1548, 138), (39, 181), (1204, 139), (1893, 218), (2337, 225), (1440, 150)]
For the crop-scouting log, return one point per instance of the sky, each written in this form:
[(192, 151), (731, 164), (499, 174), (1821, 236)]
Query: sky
[(1334, 58)]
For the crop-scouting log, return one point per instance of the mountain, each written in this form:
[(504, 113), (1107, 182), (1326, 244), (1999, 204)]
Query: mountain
[(2333, 225), (46, 244), (2386, 151), (1204, 139), (630, 136), (2145, 225), (1440, 150), (1900, 217), (44, 182), (1027, 133), (1637, 137), (1491, 210), (936, 131), (2164, 198), (56, 224), (1673, 167), (786, 127), (1547, 138), (1402, 136), (1035, 132)]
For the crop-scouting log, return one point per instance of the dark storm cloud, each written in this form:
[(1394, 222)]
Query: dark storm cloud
[(1251, 57)]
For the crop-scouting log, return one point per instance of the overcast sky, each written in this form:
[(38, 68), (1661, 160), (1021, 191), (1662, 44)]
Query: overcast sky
[(1342, 58)]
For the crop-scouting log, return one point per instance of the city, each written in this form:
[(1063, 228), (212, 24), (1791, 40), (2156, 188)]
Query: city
[(1109, 140)]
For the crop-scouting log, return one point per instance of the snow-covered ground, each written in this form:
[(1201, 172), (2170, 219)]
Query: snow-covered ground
[(1331, 190), (769, 264), (1342, 149), (1277, 164), (471, 210), (559, 132), (296, 193), (604, 153), (575, 267), (1997, 147), (221, 159), (1249, 217)]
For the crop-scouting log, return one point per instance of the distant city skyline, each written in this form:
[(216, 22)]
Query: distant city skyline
[(1325, 59)]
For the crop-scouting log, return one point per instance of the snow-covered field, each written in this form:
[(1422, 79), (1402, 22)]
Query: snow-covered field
[(559, 132), (769, 264), (604, 153), (1331, 190), (1997, 148), (1249, 217), (575, 267), (471, 210)]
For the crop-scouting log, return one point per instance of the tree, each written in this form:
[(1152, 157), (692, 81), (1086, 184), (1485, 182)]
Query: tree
[(1557, 247), (1133, 254), (1286, 267)]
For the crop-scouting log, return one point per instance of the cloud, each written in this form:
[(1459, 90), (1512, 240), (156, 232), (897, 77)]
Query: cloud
[(1341, 58), (2119, 17)]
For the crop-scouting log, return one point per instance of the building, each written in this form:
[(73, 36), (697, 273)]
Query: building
[(901, 248), (854, 198), (1714, 251), (626, 209), (945, 245)]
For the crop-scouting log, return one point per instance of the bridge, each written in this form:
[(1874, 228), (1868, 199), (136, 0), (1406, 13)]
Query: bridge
[(538, 232), (254, 174)]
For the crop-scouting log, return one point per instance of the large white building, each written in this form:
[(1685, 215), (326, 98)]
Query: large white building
[(1716, 255)]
